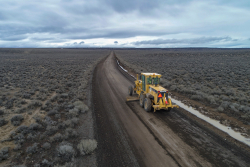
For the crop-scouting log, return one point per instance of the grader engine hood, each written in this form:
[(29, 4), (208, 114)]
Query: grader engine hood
[(160, 93)]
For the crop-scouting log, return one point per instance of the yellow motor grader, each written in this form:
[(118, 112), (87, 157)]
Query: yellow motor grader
[(150, 93)]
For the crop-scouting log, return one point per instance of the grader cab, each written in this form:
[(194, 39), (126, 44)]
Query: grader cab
[(150, 93)]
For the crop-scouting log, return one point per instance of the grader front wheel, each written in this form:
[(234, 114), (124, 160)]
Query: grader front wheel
[(147, 104), (142, 97)]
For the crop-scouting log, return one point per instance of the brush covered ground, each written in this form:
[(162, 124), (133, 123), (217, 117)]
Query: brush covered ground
[(44, 97), (213, 81)]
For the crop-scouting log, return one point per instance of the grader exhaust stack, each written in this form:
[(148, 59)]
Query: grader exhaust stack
[(149, 93)]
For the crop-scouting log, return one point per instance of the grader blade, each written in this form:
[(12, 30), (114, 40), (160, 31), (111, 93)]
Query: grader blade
[(132, 98)]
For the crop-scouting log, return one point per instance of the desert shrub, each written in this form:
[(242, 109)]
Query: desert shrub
[(1, 112), (220, 109), (18, 137), (67, 164), (246, 115), (73, 112), (42, 97), (225, 104), (196, 97), (50, 130), (241, 108), (61, 125), (48, 121), (3, 122), (32, 149), (166, 84), (30, 136), (81, 106), (4, 153), (12, 134), (70, 106), (211, 99), (43, 136), (74, 121), (246, 109), (54, 98), (57, 138), (37, 165), (32, 92), (232, 107), (23, 102), (46, 146), (52, 112), (64, 95), (68, 123), (65, 151), (23, 129), (47, 105), (60, 100), (87, 146), (26, 95), (35, 126), (17, 147), (37, 118), (20, 110), (45, 162), (9, 104), (173, 87), (17, 119), (71, 122), (34, 104), (69, 133), (57, 116), (225, 98)]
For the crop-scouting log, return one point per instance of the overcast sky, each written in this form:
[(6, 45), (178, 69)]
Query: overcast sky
[(127, 23)]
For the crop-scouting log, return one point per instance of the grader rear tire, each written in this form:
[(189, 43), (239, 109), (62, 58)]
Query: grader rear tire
[(130, 90), (147, 104), (142, 97)]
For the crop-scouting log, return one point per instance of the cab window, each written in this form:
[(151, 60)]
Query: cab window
[(155, 81), (149, 80)]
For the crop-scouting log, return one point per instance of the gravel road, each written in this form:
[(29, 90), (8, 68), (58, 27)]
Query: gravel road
[(129, 136)]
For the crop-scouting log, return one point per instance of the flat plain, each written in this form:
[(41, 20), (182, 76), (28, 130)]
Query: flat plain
[(43, 93), (67, 107)]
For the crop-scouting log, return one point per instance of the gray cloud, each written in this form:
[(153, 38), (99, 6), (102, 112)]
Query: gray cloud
[(201, 40), (14, 37), (116, 42), (54, 23)]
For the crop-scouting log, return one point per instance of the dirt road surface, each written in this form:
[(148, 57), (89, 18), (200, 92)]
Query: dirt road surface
[(129, 136)]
